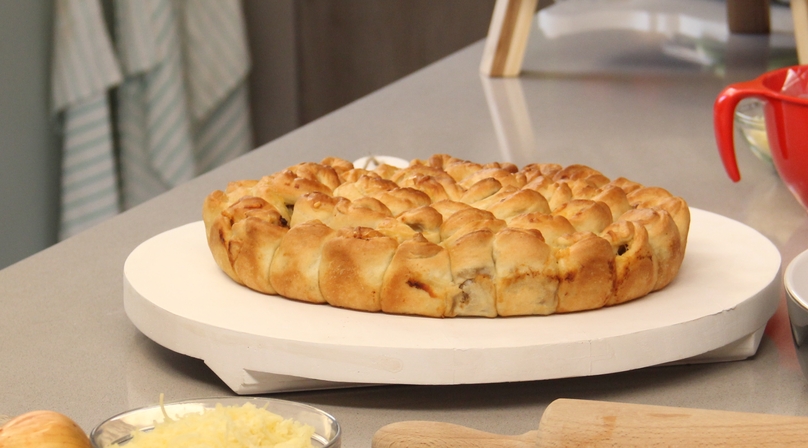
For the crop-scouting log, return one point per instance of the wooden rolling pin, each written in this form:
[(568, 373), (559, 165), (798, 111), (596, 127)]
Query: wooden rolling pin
[(584, 423)]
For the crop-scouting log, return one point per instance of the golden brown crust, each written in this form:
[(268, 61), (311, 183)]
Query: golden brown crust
[(364, 212), (586, 271), (505, 176), (586, 215), (253, 240), (291, 187), (581, 173), (295, 269), (473, 273), (354, 174), (365, 186), (448, 208), (525, 285), (353, 266), (424, 220), (664, 239), (551, 227), (218, 237), (556, 193), (385, 171), (433, 181), (460, 170), (466, 221), (614, 198), (518, 203), (418, 280), (635, 273), (481, 190), (626, 185), (546, 170), (401, 200), (447, 237), (314, 206), (659, 198), (339, 165)]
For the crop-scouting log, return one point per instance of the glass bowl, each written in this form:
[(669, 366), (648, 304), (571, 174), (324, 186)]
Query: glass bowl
[(750, 127), (118, 429)]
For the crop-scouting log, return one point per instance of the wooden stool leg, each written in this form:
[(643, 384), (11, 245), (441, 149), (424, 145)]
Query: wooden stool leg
[(748, 16), (507, 37), (799, 11)]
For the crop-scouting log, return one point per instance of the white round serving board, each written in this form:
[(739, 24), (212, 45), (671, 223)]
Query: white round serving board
[(177, 296)]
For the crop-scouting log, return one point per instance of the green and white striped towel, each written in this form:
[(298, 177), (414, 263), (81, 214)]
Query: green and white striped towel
[(83, 69), (183, 103), (153, 120), (218, 64)]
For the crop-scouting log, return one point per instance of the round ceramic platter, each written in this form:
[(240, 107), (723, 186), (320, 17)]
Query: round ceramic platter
[(177, 296)]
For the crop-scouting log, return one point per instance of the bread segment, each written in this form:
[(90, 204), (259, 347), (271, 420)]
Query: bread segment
[(634, 269), (418, 280), (664, 239), (446, 237), (295, 269), (353, 266), (256, 231), (525, 285), (586, 271), (473, 273)]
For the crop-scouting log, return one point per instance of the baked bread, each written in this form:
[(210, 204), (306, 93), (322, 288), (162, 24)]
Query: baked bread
[(446, 237)]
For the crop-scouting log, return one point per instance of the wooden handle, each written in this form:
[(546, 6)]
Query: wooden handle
[(600, 424), (418, 434), (582, 423)]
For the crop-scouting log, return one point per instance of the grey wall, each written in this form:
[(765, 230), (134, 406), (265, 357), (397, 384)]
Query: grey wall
[(29, 154)]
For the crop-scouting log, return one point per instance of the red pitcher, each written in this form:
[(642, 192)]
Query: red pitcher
[(786, 118)]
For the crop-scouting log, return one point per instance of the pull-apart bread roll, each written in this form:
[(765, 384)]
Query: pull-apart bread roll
[(353, 266), (446, 237)]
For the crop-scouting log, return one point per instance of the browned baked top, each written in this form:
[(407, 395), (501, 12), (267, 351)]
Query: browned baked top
[(447, 237)]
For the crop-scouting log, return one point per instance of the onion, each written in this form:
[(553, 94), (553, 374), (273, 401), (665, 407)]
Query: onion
[(42, 429)]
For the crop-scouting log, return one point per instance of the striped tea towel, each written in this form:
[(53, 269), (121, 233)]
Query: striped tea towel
[(183, 104), (218, 63), (153, 121), (83, 68)]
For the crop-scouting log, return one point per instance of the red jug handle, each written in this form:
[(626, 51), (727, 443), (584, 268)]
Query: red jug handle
[(724, 117)]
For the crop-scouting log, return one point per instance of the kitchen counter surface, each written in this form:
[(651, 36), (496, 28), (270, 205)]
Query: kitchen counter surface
[(630, 102)]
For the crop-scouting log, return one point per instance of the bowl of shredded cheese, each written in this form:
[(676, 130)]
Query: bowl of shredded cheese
[(231, 422)]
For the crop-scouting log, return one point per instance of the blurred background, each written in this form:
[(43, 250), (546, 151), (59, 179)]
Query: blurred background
[(309, 57)]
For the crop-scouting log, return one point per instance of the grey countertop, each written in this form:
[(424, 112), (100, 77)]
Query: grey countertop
[(629, 103)]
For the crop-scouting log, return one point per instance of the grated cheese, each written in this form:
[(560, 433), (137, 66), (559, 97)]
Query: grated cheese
[(226, 427)]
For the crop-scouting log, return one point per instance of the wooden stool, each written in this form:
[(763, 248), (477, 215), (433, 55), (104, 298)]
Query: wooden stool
[(799, 11), (512, 19)]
